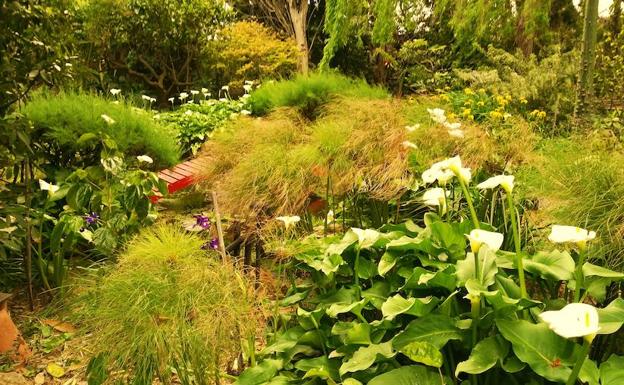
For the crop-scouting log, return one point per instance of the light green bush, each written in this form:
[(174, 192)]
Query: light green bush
[(308, 93), (62, 119), (166, 305)]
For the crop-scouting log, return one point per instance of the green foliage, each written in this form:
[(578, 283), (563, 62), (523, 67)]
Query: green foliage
[(248, 50), (609, 68), (395, 304), (309, 93), (169, 307), (61, 119), (423, 67), (159, 43), (195, 123), (35, 46)]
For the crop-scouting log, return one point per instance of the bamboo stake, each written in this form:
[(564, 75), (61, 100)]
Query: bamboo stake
[(215, 206)]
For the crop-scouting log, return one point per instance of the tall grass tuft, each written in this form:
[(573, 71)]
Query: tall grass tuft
[(308, 93), (584, 187), (166, 307), (62, 118)]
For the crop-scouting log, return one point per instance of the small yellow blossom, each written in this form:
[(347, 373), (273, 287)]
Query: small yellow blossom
[(501, 100), (523, 101), (444, 97), (468, 91), (467, 103), (466, 112), (480, 103), (451, 115), (482, 91), (495, 115)]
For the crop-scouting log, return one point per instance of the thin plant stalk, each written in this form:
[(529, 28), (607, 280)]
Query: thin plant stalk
[(579, 272), (473, 213), (579, 362), (516, 235)]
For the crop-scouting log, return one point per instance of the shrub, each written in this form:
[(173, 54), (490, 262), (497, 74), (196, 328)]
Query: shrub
[(151, 40), (169, 307), (247, 50), (62, 119), (197, 122), (308, 93)]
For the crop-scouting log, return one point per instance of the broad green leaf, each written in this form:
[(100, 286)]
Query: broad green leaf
[(611, 317), (436, 329), (414, 306), (377, 294), (420, 243), (548, 354), (338, 248), (487, 267), (322, 367), (554, 265), (339, 308), (424, 353), (589, 373), (612, 371), (449, 237), (310, 319), (409, 375), (590, 270), (512, 364), (353, 333), (387, 261), (366, 238), (422, 278), (365, 356), (351, 381), (484, 356), (287, 340), (327, 264), (408, 227), (294, 298), (260, 373)]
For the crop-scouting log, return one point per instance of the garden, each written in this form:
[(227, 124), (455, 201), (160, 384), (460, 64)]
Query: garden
[(274, 192)]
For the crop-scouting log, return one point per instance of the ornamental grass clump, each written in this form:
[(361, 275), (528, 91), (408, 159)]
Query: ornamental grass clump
[(272, 165), (63, 118), (166, 307)]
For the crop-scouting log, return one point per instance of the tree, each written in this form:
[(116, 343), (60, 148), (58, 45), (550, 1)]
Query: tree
[(584, 83), (616, 17), (159, 42), (287, 16)]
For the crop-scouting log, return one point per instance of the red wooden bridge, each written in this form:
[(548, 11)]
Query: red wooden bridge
[(182, 175)]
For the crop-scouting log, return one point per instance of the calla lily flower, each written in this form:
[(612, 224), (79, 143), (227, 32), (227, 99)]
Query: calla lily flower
[(574, 320), (247, 87), (115, 91), (108, 119), (330, 216), (183, 96), (437, 114), (225, 88), (477, 237), (366, 237), (436, 197), (408, 144), (570, 234), (505, 181), (412, 128), (194, 92), (289, 221), (45, 186), (433, 174), (204, 91), (452, 126), (145, 97), (145, 158), (171, 100)]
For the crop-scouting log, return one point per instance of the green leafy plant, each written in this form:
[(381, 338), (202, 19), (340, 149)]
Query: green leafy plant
[(61, 119), (195, 123), (413, 303), (173, 310)]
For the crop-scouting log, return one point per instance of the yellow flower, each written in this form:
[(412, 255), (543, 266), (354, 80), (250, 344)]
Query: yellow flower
[(466, 112), (467, 103), (482, 90), (451, 115), (468, 91), (480, 103), (501, 100), (508, 97), (523, 101), (495, 115), (444, 97)]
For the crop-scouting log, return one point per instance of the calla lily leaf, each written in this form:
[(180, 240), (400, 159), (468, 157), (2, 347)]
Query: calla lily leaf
[(353, 333), (436, 329), (424, 353), (339, 308), (414, 306), (553, 265), (548, 354), (410, 375), (484, 356), (388, 261), (611, 317), (487, 267), (260, 373), (366, 356), (377, 294), (612, 370), (591, 270)]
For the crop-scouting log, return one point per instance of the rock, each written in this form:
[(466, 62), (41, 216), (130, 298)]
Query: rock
[(13, 378)]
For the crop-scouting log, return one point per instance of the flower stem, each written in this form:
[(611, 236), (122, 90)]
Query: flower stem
[(473, 213), (579, 362), (516, 235), (579, 274), (356, 268)]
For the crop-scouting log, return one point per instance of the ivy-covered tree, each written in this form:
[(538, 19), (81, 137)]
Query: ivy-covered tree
[(158, 42)]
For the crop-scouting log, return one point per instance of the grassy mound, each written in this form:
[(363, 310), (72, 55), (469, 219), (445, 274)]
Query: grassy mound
[(62, 119), (166, 305), (308, 93), (271, 165)]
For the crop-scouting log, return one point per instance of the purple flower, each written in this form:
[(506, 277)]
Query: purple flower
[(91, 218), (202, 221), (213, 244)]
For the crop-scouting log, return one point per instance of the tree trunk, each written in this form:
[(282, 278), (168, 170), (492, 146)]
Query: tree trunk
[(616, 17), (299, 18), (586, 70)]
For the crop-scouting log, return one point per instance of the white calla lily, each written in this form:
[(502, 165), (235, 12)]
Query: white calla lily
[(183, 96), (412, 128), (194, 92), (437, 114), (478, 237), (570, 234), (574, 320), (115, 91), (408, 144), (145, 159), (107, 119), (504, 181), (45, 186), (366, 237), (289, 221)]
